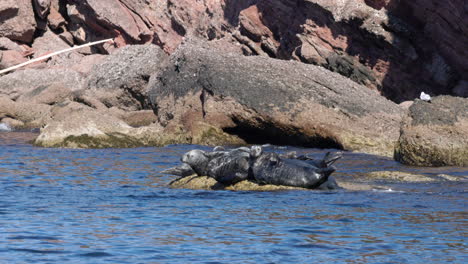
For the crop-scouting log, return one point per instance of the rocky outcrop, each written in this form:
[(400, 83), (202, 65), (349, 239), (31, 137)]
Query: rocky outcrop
[(263, 100), (120, 80), (77, 126), (380, 44), (17, 20), (24, 81), (434, 133)]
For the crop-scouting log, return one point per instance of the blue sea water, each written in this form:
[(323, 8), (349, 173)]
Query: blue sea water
[(113, 206)]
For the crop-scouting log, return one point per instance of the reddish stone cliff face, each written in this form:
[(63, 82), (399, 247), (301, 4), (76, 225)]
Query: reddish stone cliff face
[(397, 47)]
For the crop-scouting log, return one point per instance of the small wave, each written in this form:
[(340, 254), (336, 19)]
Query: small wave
[(96, 254), (33, 238), (5, 127), (36, 251)]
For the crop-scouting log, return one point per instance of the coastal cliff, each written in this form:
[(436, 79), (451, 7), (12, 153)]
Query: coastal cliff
[(311, 73)]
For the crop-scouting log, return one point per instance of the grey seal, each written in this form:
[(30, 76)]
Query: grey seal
[(230, 168), (271, 168), (214, 163), (183, 170)]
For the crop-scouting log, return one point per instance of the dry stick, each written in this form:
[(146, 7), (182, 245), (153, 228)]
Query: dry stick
[(53, 54)]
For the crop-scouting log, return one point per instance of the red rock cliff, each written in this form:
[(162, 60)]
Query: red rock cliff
[(398, 47)]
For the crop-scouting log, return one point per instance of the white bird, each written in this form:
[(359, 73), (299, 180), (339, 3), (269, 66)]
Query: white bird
[(425, 97)]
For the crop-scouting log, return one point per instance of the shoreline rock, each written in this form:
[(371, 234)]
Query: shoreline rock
[(195, 182), (264, 100), (435, 133)]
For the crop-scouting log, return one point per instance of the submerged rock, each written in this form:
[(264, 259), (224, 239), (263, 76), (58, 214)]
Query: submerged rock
[(399, 176), (435, 133)]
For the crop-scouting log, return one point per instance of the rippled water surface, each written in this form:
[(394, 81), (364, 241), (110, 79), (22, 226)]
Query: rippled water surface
[(113, 206)]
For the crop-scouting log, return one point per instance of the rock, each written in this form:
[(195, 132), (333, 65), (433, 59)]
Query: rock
[(23, 81), (49, 43), (406, 104), (139, 118), (74, 125), (31, 114), (9, 58), (13, 123), (434, 133), (17, 20), (398, 176), (263, 100), (206, 183), (120, 79), (7, 44), (86, 64), (378, 43), (55, 20), (47, 94), (461, 89), (126, 19)]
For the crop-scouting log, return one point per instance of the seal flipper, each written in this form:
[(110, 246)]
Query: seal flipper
[(183, 170), (325, 174)]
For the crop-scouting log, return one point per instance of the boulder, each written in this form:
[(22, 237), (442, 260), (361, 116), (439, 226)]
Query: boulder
[(75, 125), (86, 64), (47, 94), (23, 81), (32, 115), (17, 20), (7, 44), (9, 58), (264, 100), (120, 79), (112, 18), (435, 133), (49, 43)]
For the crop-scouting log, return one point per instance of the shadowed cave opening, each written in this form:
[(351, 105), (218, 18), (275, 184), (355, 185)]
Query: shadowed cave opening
[(267, 133)]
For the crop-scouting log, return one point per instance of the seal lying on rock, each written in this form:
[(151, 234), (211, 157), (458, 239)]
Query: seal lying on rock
[(231, 167), (227, 167), (270, 168), (236, 165)]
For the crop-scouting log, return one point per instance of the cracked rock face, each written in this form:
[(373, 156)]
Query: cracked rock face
[(265, 100)]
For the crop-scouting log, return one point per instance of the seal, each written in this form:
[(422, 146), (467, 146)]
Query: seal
[(183, 170), (198, 161), (271, 168), (230, 168)]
